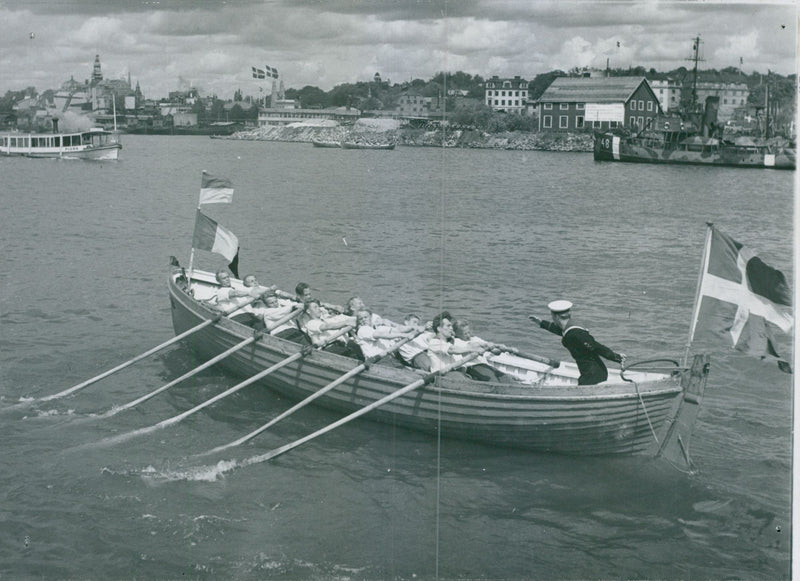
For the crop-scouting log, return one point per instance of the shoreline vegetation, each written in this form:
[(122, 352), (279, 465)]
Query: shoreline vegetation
[(386, 130)]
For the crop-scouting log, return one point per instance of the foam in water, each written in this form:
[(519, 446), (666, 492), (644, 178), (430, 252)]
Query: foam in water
[(196, 474)]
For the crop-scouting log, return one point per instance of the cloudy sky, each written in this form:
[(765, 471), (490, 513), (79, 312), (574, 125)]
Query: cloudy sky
[(167, 45)]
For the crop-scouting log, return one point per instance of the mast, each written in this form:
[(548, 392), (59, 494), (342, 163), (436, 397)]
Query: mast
[(696, 58), (766, 108)]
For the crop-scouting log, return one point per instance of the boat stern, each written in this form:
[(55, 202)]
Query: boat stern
[(605, 144), (675, 445)]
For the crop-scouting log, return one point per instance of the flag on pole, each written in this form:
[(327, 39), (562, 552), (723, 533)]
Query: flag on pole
[(210, 236), (215, 190), (258, 73), (739, 295)]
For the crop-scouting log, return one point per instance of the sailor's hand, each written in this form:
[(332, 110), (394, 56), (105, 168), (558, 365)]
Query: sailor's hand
[(622, 359), (535, 319)]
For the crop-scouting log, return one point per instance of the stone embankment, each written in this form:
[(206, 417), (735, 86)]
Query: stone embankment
[(388, 130)]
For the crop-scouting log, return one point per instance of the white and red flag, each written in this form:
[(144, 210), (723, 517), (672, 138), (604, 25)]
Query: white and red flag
[(210, 236), (741, 297), (215, 190)]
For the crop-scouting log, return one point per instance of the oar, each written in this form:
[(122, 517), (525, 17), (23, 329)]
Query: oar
[(539, 358), (122, 366), (197, 369), (216, 398), (155, 349), (394, 395), (312, 397)]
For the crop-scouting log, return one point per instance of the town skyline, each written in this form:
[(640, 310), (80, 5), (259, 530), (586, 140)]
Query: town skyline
[(176, 44)]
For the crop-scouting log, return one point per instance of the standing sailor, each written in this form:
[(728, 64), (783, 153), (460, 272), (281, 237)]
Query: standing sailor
[(580, 343)]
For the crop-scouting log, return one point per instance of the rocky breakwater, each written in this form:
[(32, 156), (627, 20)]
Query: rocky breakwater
[(520, 140), (389, 130)]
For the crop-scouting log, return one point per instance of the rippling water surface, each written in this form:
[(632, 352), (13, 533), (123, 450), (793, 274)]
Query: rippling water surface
[(492, 235)]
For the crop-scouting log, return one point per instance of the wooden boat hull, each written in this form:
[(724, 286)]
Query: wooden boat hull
[(352, 145), (611, 418), (611, 147), (329, 144)]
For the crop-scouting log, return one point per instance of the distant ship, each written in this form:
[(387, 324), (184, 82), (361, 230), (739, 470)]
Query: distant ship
[(690, 141), (95, 143)]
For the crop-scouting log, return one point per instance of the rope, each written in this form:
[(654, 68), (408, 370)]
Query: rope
[(646, 415)]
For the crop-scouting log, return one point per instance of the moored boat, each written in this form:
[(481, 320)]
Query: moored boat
[(323, 143), (637, 411), (671, 147), (366, 145), (95, 143)]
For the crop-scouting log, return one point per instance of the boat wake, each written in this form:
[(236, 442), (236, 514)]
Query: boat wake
[(211, 473), (204, 473)]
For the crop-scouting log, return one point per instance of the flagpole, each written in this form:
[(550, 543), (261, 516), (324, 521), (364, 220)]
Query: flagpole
[(191, 256), (696, 308)]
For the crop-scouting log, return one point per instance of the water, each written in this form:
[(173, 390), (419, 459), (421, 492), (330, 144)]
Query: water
[(493, 235)]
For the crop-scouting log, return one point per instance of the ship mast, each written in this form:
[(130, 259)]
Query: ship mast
[(696, 58)]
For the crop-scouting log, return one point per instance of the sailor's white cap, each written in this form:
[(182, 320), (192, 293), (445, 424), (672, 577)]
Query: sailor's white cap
[(559, 306)]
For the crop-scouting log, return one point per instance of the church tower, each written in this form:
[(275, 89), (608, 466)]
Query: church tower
[(97, 74)]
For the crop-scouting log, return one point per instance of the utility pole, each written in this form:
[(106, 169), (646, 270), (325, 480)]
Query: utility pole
[(696, 58), (766, 107)]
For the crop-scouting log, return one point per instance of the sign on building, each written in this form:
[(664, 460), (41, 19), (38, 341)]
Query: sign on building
[(604, 112)]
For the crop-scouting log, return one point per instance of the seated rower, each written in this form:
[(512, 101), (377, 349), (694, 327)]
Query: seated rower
[(415, 352), (272, 312), (321, 328), (226, 298), (375, 339), (256, 290), (355, 305), (442, 348), (303, 295), (479, 369)]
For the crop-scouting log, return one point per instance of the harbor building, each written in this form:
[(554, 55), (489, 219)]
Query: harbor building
[(508, 95), (413, 105), (576, 103), (732, 96), (668, 92)]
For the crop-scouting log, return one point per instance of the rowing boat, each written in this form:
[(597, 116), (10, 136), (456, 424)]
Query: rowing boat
[(637, 411)]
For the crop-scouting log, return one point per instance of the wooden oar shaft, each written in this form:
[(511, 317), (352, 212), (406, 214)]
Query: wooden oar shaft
[(189, 374), (384, 400), (234, 389), (320, 392), (130, 362), (539, 358), (291, 410), (285, 319), (245, 383)]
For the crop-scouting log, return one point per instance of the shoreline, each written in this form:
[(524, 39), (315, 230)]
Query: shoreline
[(457, 138)]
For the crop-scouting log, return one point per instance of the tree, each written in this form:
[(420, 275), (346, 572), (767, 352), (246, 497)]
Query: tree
[(312, 97), (540, 83)]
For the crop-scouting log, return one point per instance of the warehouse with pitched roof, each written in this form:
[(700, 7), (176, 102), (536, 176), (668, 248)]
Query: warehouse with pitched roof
[(578, 103)]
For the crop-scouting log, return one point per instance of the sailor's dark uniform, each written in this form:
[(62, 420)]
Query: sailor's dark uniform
[(586, 352)]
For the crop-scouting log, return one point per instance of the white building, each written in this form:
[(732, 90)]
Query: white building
[(731, 96), (668, 93), (509, 95)]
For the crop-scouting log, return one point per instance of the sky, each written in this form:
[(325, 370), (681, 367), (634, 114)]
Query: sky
[(169, 45)]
